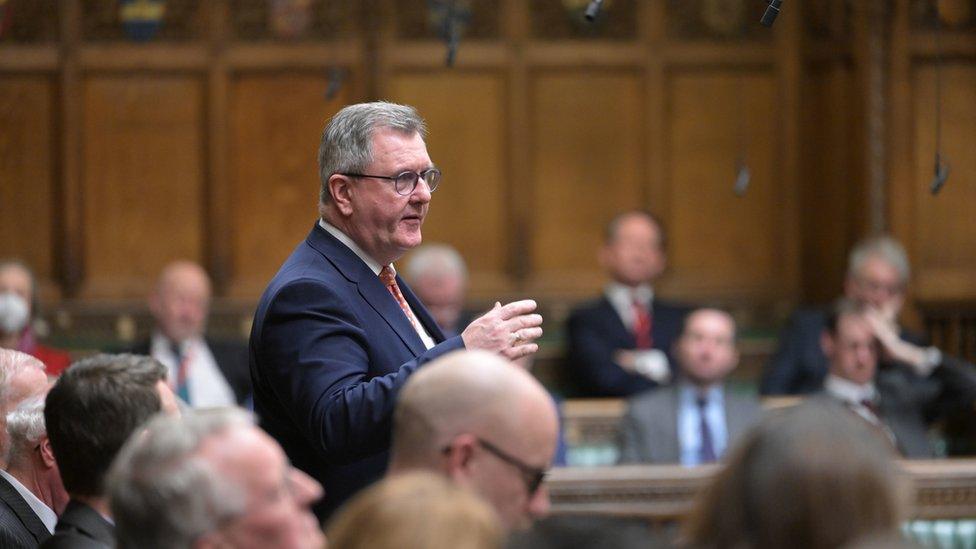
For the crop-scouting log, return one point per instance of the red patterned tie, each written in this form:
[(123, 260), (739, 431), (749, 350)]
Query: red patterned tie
[(388, 278), (642, 326)]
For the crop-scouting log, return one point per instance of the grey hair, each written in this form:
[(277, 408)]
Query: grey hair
[(13, 363), (347, 140), (884, 247), (163, 494), (25, 425), (435, 259)]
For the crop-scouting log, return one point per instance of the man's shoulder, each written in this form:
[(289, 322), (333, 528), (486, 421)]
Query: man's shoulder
[(595, 307), (653, 398), (80, 527), (663, 309)]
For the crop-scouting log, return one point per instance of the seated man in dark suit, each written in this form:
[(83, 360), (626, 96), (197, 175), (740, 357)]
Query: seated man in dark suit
[(90, 412), (203, 371), (695, 420), (31, 493), (619, 344), (901, 397), (877, 275)]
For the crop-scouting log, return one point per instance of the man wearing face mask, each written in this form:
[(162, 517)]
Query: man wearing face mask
[(18, 305)]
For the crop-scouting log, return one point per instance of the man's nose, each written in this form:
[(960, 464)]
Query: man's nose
[(421, 193)]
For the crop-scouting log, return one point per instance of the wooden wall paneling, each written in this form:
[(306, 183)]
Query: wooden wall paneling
[(275, 121), (588, 142), (143, 176), (945, 258), (466, 115), (656, 189), (831, 173), (70, 226), (27, 174), (217, 222), (789, 39), (520, 191), (723, 246), (901, 164)]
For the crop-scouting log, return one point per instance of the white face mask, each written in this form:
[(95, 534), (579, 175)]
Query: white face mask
[(14, 313)]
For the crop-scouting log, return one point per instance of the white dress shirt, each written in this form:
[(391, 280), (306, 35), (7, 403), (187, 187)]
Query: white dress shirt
[(853, 395), (207, 386), (650, 363), (376, 268)]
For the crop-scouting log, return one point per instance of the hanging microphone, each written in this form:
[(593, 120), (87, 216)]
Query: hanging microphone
[(592, 10), (941, 175), (742, 178), (772, 10)]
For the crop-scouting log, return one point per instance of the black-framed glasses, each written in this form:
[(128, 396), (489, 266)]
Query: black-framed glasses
[(531, 476), (405, 182)]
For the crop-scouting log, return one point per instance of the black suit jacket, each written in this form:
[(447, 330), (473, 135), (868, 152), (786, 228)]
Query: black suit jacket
[(596, 332), (19, 524), (81, 527), (330, 350), (799, 365), (231, 358)]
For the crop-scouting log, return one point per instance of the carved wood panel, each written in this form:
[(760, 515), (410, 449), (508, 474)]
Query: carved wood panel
[(27, 171), (142, 178)]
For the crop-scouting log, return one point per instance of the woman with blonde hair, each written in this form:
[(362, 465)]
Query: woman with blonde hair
[(413, 511), (812, 477)]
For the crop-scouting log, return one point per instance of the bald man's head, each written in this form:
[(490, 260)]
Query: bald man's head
[(486, 424), (180, 302)]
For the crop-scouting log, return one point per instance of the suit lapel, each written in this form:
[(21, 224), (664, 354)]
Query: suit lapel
[(668, 443), (734, 421), (370, 288), (23, 511), (612, 317), (423, 315)]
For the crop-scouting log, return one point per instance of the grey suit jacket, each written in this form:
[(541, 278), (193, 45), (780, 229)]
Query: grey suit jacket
[(649, 429)]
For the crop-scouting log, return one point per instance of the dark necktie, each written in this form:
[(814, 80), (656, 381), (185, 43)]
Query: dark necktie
[(182, 379), (707, 445), (642, 326)]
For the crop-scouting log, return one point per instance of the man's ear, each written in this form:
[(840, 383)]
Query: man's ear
[(47, 454), (340, 189), (827, 343), (458, 457)]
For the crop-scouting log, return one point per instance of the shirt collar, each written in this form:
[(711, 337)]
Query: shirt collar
[(344, 238), (43, 512), (690, 393), (848, 391), (621, 294)]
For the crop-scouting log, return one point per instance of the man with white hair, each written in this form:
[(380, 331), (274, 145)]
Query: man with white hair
[(484, 423), (21, 376), (210, 479), (439, 277), (877, 278), (31, 493)]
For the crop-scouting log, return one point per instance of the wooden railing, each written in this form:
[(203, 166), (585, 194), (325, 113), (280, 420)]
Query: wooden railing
[(938, 489)]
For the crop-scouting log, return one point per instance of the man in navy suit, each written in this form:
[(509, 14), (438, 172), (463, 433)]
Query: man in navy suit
[(337, 333), (877, 276), (620, 344)]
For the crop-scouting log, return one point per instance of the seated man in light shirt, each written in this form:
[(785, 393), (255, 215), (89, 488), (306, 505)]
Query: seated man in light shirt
[(694, 421)]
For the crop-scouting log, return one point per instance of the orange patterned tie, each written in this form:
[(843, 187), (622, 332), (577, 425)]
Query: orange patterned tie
[(388, 278)]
